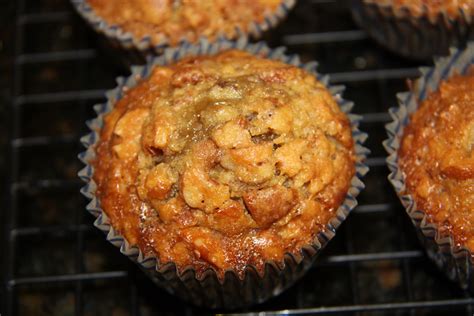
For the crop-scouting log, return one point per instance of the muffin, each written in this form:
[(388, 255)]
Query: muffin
[(432, 161), (146, 24), (436, 158), (452, 8), (417, 28), (229, 167)]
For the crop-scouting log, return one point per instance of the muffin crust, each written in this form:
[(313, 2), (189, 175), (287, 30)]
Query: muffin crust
[(223, 162), (174, 20), (437, 158)]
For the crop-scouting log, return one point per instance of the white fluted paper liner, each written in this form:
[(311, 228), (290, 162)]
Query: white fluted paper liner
[(208, 290), (456, 262), (419, 37), (128, 40)]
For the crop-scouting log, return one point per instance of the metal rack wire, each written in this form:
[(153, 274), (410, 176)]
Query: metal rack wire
[(55, 262)]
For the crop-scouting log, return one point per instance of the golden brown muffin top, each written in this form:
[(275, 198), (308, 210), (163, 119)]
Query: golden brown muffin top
[(174, 20), (431, 8), (224, 161), (437, 157)]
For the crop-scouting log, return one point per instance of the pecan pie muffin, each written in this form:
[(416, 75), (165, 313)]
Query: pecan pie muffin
[(453, 8), (224, 162), (417, 28), (437, 157), (171, 21)]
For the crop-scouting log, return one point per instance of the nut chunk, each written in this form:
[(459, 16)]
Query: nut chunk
[(159, 181), (269, 205), (289, 157), (207, 245), (199, 190), (232, 135), (252, 165), (129, 128)]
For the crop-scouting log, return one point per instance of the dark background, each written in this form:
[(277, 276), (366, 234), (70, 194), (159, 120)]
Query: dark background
[(54, 68)]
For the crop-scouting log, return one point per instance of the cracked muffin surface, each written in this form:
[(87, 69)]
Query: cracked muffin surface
[(437, 158), (224, 161), (174, 20)]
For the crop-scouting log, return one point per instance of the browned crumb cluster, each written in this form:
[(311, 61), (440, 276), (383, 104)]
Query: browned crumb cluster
[(431, 8), (174, 20), (224, 161), (437, 157)]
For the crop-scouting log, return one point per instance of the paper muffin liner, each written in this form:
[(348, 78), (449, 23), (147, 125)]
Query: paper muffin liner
[(208, 290), (419, 37), (455, 261), (142, 47)]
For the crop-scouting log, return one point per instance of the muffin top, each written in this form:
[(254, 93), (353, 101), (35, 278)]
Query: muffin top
[(224, 161), (437, 158), (431, 8), (173, 20)]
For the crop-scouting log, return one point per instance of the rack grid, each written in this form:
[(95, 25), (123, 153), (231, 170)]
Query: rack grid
[(56, 263)]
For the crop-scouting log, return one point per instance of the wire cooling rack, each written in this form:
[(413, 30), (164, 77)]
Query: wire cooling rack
[(54, 262)]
